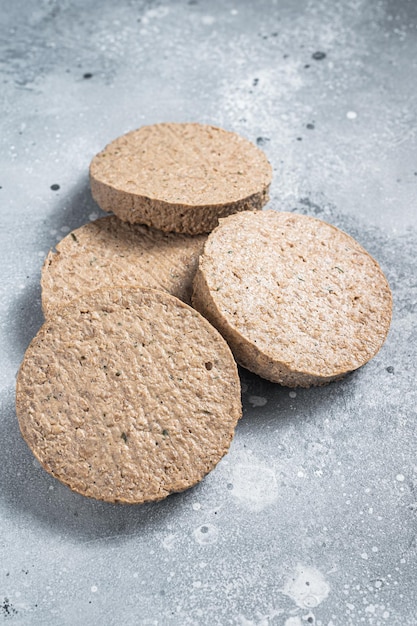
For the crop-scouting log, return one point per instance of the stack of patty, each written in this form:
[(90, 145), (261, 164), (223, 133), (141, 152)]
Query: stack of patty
[(127, 393)]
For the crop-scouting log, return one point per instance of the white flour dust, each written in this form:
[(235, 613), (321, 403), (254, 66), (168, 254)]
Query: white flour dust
[(254, 485)]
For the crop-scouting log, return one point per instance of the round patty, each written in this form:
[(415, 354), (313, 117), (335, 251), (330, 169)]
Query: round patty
[(128, 395), (300, 302), (180, 177), (109, 252)]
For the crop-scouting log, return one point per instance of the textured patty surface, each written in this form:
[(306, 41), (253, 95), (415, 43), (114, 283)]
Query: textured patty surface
[(180, 177), (109, 252), (299, 301), (128, 395)]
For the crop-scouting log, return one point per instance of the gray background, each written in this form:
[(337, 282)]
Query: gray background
[(311, 517)]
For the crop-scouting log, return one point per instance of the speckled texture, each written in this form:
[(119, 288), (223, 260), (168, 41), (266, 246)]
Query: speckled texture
[(128, 396), (180, 177), (300, 302), (108, 252), (322, 480)]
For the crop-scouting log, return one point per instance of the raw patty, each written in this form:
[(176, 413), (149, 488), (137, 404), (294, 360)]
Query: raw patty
[(300, 302), (180, 177), (128, 395), (109, 252)]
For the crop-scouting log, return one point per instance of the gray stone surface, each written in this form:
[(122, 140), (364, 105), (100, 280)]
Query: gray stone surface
[(311, 517)]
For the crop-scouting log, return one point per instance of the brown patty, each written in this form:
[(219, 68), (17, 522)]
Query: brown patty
[(180, 177), (300, 302), (128, 395), (110, 252)]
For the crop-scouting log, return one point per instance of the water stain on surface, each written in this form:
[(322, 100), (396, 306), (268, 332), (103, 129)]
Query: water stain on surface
[(307, 587)]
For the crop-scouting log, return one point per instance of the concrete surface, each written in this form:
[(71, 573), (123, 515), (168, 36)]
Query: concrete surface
[(311, 517)]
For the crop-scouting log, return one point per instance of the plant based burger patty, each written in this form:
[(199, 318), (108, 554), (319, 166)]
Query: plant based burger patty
[(108, 252), (180, 177), (299, 301), (128, 395)]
